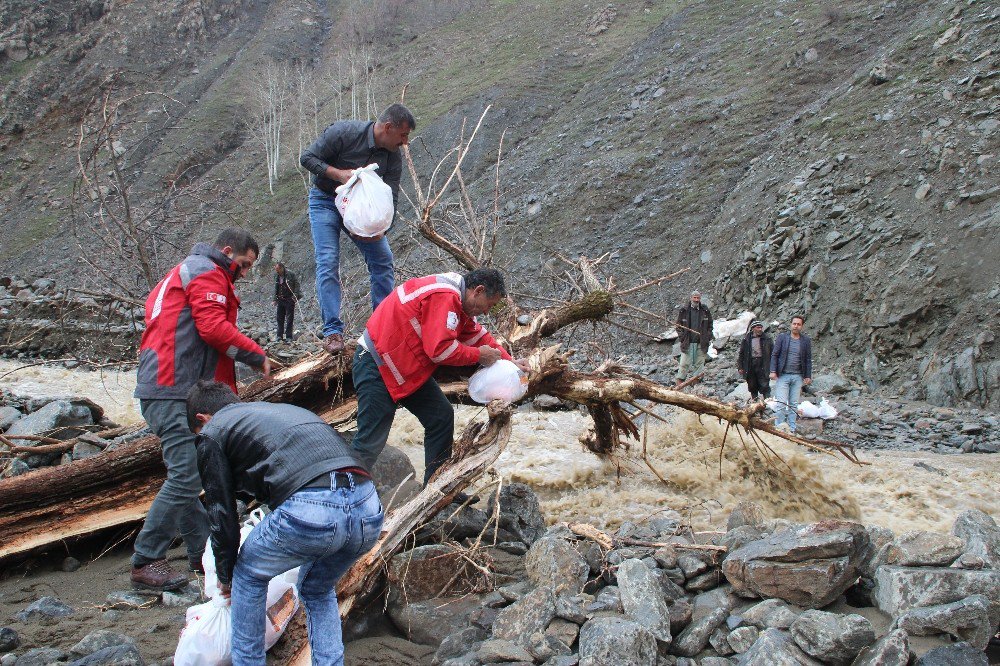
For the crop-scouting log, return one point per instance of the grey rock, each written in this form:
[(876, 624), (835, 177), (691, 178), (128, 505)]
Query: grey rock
[(776, 648), (642, 599), (129, 599), (421, 573), (959, 654), (666, 557), (180, 599), (745, 513), (465, 523), (742, 638), (520, 513), (458, 643), (608, 599), (468, 659), (966, 620), (924, 549), (83, 450), (899, 589), (719, 640), (555, 563), (573, 607), (691, 565), (116, 655), (695, 636), (981, 536), (716, 661), (16, 467), (613, 640), (831, 385), (809, 566), (8, 659), (56, 414), (8, 415), (771, 614), (706, 581), (70, 564), (44, 607), (523, 618), (98, 640), (496, 650), (559, 660), (9, 640), (830, 637), (547, 646), (893, 649), (430, 622), (564, 630), (740, 536), (43, 656)]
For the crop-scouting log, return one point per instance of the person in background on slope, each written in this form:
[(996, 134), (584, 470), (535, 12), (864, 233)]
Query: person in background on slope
[(286, 294)]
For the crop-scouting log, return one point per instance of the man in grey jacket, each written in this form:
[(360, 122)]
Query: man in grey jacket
[(343, 147)]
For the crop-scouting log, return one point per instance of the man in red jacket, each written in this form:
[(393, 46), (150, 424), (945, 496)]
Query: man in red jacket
[(190, 335), (425, 322)]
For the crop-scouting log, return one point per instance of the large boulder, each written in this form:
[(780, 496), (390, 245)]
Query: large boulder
[(898, 589), (924, 549), (966, 620), (8, 415), (430, 622), (520, 513), (60, 416), (553, 562), (395, 478), (643, 600), (776, 648), (424, 573), (809, 566), (830, 637), (615, 640), (981, 536), (893, 649), (959, 654), (528, 616)]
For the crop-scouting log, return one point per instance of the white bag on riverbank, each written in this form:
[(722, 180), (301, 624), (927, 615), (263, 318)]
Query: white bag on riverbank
[(365, 203), (823, 411)]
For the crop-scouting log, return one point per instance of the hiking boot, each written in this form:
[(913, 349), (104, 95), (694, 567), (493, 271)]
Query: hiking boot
[(158, 576), (334, 343)]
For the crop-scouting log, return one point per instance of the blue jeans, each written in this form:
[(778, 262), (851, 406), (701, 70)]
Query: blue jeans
[(326, 224), (322, 530), (786, 392)]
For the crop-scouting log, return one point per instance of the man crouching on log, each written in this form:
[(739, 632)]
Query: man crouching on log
[(325, 511), (425, 322)]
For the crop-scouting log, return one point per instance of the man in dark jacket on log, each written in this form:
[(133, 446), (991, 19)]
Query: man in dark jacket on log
[(754, 360), (190, 335), (286, 295), (694, 332), (325, 511)]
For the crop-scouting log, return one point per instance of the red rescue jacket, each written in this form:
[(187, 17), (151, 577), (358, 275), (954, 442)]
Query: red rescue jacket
[(419, 326), (191, 329)]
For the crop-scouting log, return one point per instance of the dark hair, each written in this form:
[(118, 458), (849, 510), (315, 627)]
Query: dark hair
[(490, 278), (238, 239), (799, 317), (397, 114), (208, 397)]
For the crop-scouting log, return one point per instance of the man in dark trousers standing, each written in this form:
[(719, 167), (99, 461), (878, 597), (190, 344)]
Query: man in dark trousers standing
[(791, 366), (325, 513), (754, 360), (343, 147), (190, 335), (428, 321), (694, 332), (286, 295)]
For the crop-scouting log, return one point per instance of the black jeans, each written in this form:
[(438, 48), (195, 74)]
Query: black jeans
[(757, 378), (286, 317), (376, 411)]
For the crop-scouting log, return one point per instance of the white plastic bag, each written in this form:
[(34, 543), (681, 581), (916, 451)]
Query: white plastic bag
[(365, 203), (823, 411), (826, 410), (207, 636), (503, 380)]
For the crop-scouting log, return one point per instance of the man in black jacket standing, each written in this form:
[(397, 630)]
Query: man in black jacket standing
[(325, 511), (286, 295), (694, 332), (343, 147), (754, 360)]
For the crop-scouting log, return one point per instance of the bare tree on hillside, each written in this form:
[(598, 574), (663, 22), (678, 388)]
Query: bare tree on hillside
[(268, 97), (125, 219), (305, 100)]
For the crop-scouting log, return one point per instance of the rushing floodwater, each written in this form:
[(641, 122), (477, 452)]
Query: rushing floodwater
[(573, 484)]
